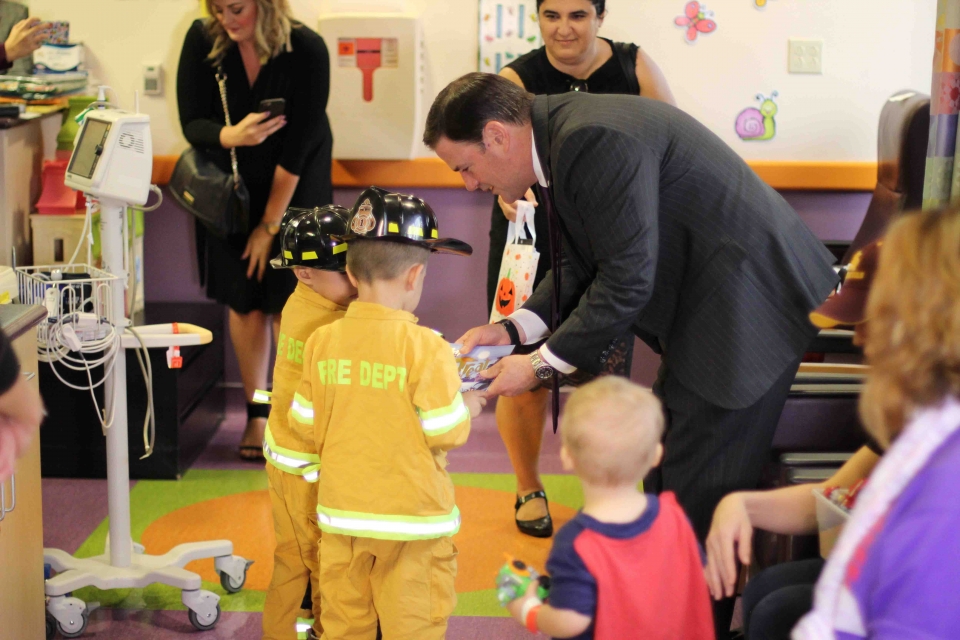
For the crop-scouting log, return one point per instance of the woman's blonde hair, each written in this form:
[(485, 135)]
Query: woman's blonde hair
[(913, 334), (271, 33)]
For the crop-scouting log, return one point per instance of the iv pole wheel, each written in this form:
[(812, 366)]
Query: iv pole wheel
[(229, 584), (83, 627), (204, 625)]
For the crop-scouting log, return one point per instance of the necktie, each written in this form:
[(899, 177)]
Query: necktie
[(553, 224)]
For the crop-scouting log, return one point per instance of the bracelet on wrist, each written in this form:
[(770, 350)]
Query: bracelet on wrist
[(511, 331), (531, 609)]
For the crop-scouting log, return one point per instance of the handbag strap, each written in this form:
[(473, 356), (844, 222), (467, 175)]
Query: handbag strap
[(222, 83)]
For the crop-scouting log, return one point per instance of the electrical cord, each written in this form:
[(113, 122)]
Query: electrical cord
[(83, 234), (155, 189), (150, 419), (53, 348)]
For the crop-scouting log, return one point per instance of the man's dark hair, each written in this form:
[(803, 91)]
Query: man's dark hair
[(467, 104), (600, 5)]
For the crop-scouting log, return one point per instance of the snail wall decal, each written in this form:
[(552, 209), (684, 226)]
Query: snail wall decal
[(758, 124)]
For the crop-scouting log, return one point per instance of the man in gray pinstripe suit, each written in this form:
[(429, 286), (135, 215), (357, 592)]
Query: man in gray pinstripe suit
[(666, 232)]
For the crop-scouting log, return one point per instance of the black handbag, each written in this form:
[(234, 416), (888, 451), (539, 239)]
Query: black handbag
[(218, 199)]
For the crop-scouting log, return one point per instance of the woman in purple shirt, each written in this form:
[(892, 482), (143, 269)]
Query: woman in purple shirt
[(895, 570)]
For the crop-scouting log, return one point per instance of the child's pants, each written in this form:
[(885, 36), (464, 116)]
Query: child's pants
[(409, 585), (294, 503)]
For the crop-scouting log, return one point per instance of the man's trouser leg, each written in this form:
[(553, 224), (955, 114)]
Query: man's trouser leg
[(413, 587), (294, 502), (346, 608), (710, 451)]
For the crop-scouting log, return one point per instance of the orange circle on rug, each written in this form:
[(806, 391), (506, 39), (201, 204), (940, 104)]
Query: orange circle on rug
[(486, 535)]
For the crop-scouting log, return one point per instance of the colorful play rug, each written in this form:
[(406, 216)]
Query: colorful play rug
[(234, 505)]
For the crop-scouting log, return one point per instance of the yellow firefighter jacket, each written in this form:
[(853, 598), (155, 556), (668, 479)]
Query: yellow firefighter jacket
[(289, 445), (383, 397)]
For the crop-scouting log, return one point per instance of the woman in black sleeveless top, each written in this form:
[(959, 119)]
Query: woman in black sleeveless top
[(573, 58)]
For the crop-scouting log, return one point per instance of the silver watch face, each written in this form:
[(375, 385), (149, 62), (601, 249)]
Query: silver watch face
[(544, 372)]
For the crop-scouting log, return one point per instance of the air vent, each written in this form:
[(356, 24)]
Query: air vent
[(130, 140)]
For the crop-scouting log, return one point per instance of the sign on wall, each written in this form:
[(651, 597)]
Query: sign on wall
[(508, 29)]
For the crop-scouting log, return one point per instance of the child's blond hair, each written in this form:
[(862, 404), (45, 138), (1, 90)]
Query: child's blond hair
[(370, 260), (611, 429)]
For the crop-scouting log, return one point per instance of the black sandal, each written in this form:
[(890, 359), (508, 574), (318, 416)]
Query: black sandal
[(539, 528), (251, 453)]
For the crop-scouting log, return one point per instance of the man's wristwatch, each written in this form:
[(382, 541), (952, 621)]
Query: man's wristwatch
[(541, 369), (273, 228), (511, 331)]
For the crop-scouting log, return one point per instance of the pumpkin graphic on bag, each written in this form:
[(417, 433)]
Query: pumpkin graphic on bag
[(506, 296)]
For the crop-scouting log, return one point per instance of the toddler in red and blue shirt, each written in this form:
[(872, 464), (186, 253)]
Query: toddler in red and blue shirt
[(628, 565)]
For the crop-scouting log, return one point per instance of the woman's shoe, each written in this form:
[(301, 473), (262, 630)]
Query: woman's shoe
[(539, 528)]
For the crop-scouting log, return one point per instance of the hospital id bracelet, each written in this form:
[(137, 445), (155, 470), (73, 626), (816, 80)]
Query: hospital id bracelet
[(529, 613), (511, 331)]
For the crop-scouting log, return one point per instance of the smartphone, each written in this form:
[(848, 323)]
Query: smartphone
[(273, 106)]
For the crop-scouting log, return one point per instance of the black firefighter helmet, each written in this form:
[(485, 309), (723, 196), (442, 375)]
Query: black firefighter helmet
[(313, 238), (398, 217)]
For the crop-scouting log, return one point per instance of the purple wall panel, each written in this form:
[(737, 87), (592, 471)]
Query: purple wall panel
[(831, 215), (454, 297)]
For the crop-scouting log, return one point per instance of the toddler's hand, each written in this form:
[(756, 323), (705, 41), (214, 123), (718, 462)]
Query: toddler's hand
[(475, 402), (516, 606)]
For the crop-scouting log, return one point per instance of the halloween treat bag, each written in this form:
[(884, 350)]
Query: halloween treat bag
[(519, 265)]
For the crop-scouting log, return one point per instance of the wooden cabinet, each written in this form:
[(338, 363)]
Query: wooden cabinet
[(21, 530)]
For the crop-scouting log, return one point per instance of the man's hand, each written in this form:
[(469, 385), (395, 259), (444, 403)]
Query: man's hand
[(475, 402), (510, 208), (731, 534), (488, 335), (25, 38), (511, 376)]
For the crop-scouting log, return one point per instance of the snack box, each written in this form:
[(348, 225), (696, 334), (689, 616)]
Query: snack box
[(472, 363), (830, 520), (57, 33)]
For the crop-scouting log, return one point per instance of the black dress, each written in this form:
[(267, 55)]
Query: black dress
[(303, 147), (617, 75)]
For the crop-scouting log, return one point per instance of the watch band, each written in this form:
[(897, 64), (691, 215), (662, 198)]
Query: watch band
[(511, 331), (273, 228)]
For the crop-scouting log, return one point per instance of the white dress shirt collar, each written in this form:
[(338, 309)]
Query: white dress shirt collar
[(537, 169)]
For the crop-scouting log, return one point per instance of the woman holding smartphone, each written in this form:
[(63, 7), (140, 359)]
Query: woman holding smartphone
[(273, 65)]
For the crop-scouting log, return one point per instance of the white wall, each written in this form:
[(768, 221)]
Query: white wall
[(871, 49)]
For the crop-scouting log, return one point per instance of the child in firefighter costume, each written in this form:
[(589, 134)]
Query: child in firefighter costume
[(311, 244), (383, 396)]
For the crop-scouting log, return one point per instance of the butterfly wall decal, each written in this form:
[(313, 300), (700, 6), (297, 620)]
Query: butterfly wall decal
[(695, 20)]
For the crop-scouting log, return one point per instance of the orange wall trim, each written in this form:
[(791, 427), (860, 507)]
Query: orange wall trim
[(432, 173), (817, 176)]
